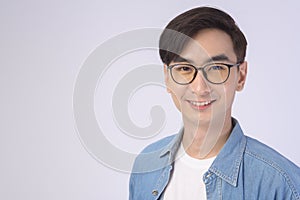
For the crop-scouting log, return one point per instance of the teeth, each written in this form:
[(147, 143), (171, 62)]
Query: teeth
[(203, 103)]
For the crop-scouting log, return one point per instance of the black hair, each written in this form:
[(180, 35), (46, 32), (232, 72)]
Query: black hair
[(190, 23)]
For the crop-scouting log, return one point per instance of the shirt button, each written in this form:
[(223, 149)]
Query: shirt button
[(154, 192), (207, 177)]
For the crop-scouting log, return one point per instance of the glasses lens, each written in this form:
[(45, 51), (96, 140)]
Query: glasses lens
[(216, 73), (183, 73)]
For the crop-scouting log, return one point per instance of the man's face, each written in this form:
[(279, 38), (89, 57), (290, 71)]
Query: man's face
[(201, 101)]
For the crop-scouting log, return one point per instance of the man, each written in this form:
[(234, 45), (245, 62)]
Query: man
[(203, 52)]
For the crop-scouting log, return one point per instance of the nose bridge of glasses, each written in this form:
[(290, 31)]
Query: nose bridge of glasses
[(203, 72), (200, 79)]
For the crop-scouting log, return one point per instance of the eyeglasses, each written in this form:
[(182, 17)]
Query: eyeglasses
[(215, 73)]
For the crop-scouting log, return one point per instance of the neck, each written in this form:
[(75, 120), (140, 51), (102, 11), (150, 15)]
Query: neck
[(205, 140)]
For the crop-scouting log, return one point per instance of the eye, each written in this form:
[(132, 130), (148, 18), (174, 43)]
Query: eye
[(184, 68), (217, 67)]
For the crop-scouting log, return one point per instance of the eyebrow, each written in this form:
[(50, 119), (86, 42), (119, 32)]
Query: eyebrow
[(220, 57), (181, 59)]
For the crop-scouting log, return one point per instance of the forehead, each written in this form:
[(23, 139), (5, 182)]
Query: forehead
[(209, 43)]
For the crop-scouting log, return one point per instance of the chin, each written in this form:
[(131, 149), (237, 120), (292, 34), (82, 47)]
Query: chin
[(197, 119)]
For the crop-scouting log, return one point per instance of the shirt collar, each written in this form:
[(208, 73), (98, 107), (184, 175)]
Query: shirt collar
[(172, 148), (228, 161)]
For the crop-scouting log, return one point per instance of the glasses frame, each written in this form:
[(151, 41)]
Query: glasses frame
[(170, 67)]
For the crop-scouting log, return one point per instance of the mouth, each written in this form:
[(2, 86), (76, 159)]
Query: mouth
[(201, 105)]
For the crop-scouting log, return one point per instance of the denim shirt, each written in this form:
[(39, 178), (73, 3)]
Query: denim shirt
[(244, 169)]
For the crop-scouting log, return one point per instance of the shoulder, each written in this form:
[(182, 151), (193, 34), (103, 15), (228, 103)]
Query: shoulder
[(159, 145), (269, 162), (152, 158), (266, 154)]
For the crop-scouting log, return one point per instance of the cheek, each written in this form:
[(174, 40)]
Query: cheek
[(229, 89), (226, 93), (229, 94), (176, 101), (177, 95)]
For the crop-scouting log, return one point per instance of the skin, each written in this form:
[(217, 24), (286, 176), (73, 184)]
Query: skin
[(206, 128)]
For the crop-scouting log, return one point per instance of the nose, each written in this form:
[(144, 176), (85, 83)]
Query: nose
[(200, 85)]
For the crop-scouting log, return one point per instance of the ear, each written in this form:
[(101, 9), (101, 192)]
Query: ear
[(167, 77), (243, 68)]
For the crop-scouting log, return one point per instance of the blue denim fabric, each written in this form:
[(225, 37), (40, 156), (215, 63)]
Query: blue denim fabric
[(244, 169)]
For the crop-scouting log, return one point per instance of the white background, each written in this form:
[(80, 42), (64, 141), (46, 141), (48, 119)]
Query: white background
[(43, 45)]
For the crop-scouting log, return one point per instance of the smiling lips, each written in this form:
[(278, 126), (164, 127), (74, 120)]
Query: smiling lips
[(201, 105)]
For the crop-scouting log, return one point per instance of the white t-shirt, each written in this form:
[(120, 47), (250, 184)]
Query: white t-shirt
[(186, 181)]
